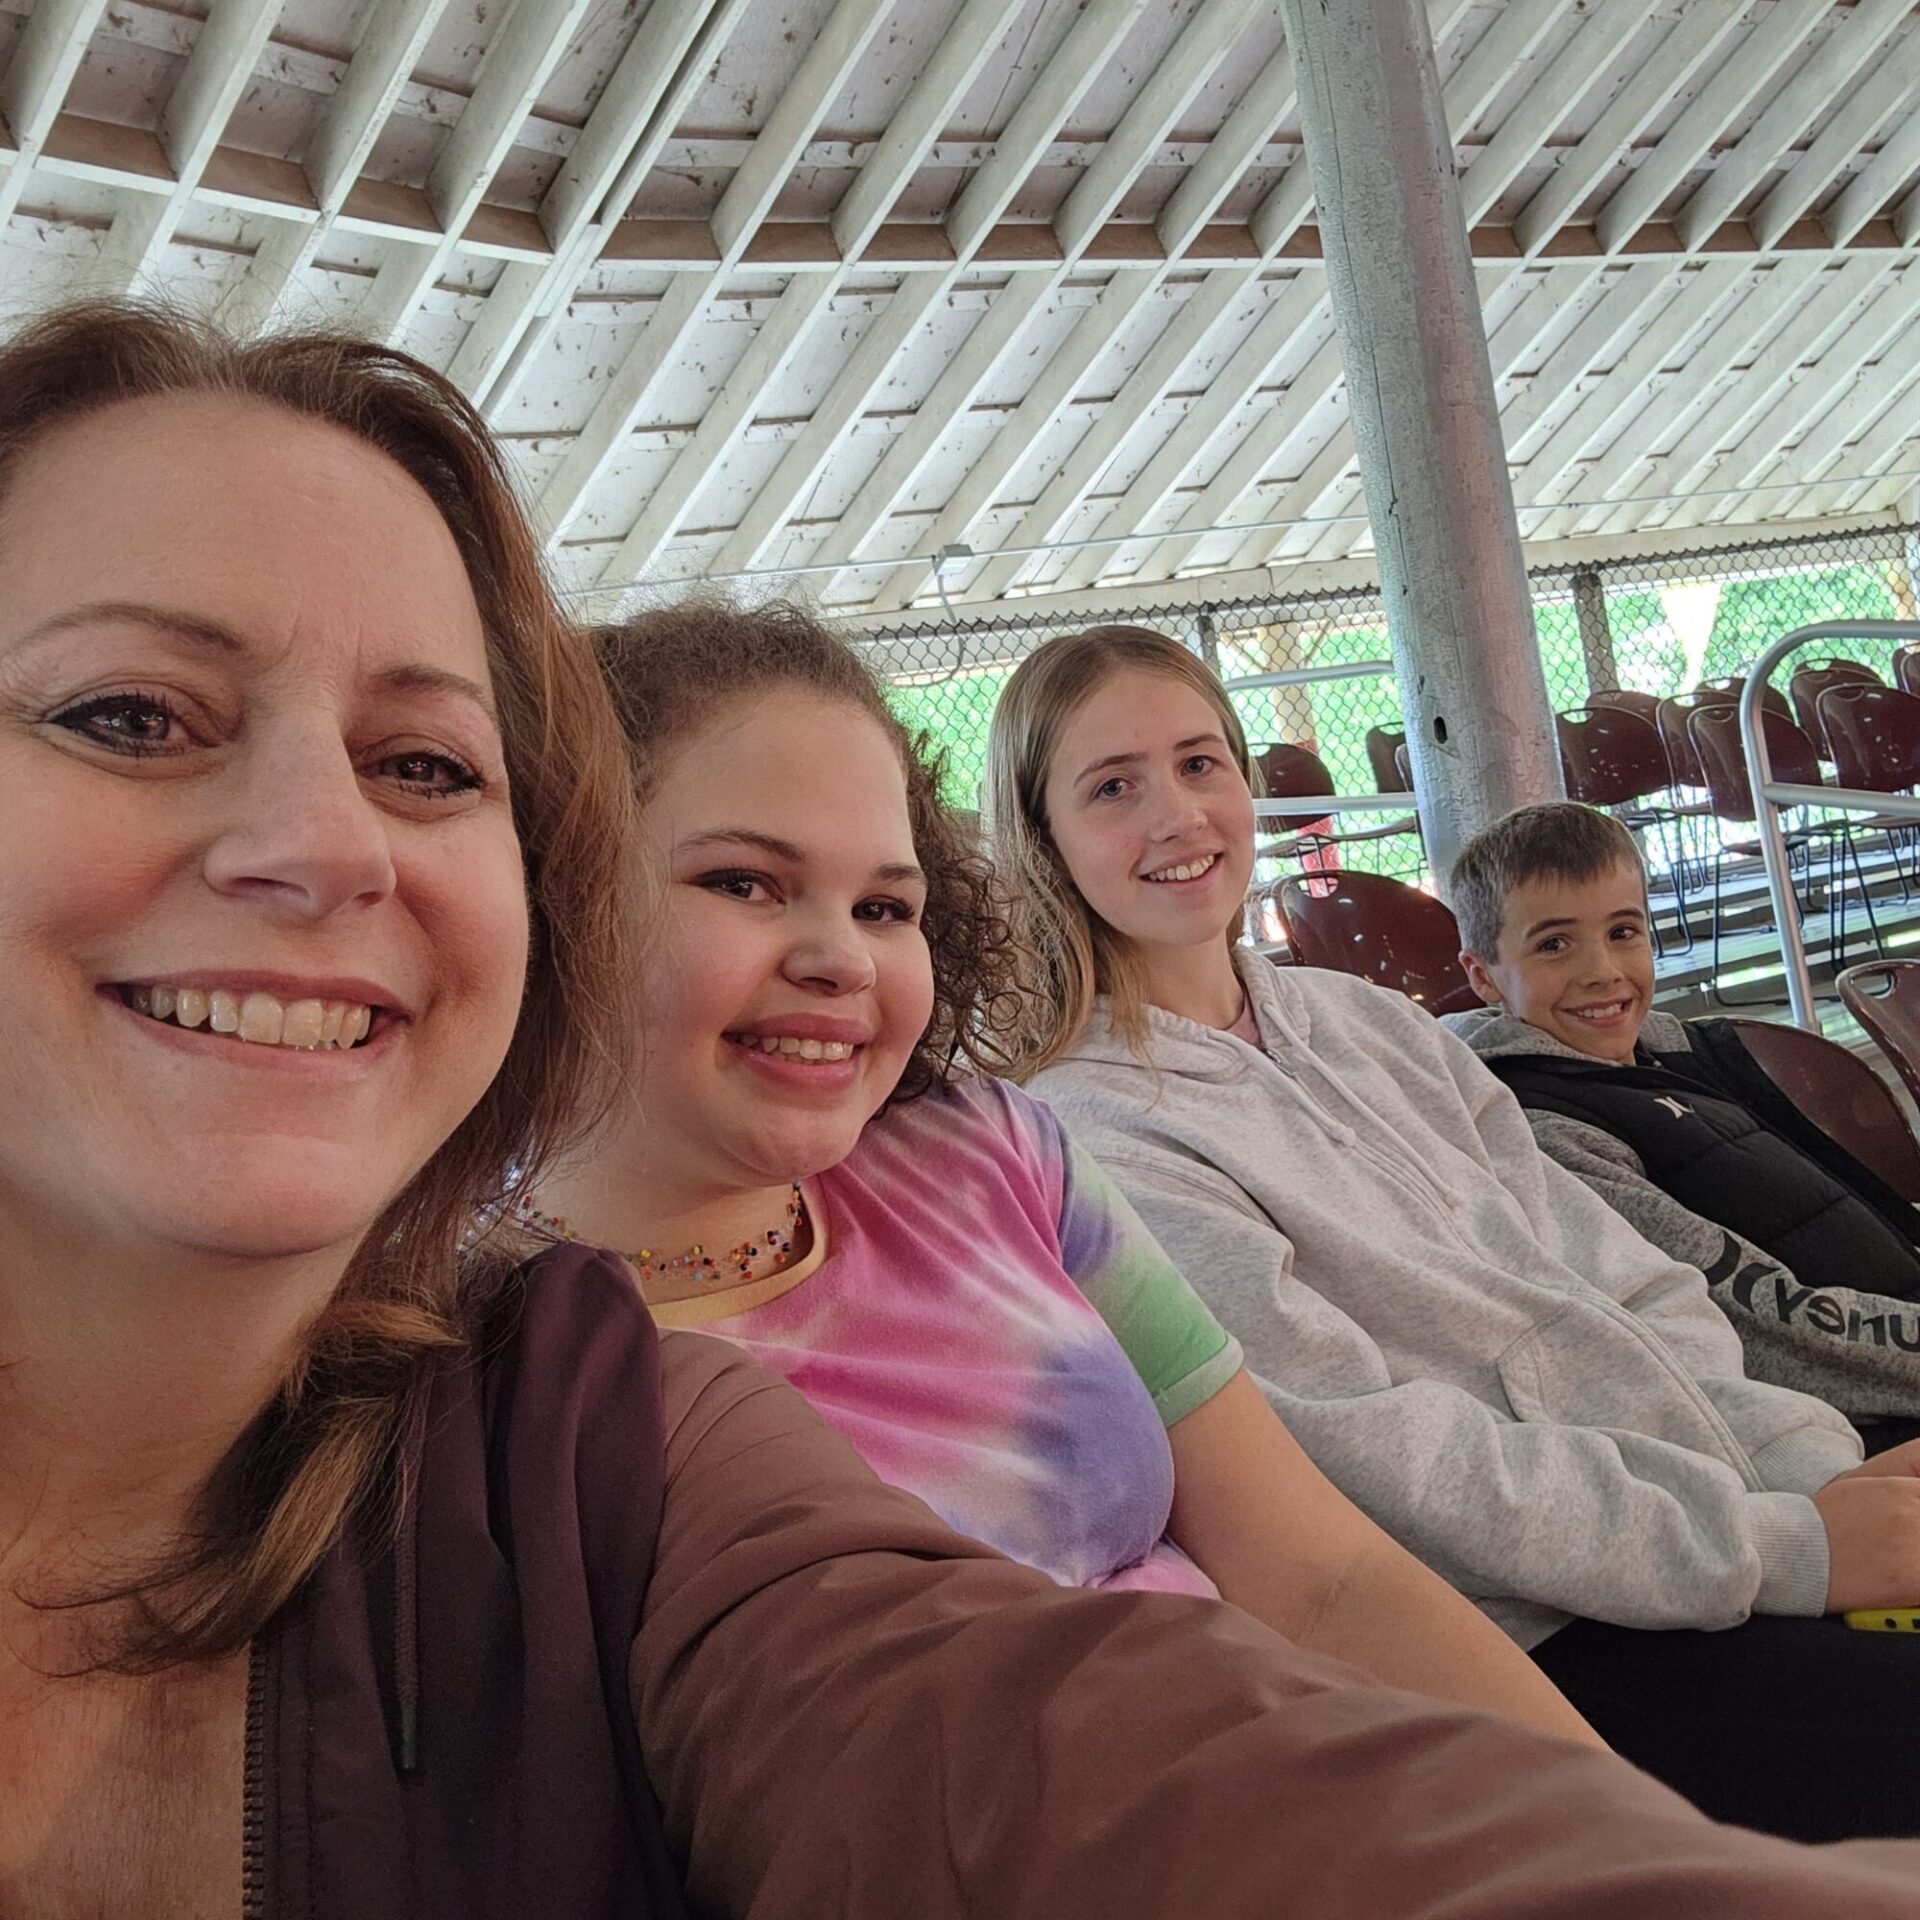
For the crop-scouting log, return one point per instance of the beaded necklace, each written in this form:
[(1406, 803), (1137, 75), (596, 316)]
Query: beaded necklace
[(711, 1269)]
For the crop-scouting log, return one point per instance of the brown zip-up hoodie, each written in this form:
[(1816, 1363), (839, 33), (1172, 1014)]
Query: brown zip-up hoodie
[(848, 1713)]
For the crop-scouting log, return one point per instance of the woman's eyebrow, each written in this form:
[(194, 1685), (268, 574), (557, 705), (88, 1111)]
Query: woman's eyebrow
[(195, 629), (1142, 753), (769, 844), (215, 636), (425, 679), (896, 872)]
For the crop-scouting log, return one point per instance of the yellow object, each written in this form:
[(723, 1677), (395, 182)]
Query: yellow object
[(1884, 1619)]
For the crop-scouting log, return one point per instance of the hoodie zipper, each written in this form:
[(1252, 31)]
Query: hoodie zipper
[(253, 1792)]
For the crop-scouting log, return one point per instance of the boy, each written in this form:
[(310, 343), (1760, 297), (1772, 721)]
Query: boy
[(1810, 1255)]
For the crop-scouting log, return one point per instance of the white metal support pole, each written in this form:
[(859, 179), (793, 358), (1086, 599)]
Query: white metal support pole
[(1426, 427)]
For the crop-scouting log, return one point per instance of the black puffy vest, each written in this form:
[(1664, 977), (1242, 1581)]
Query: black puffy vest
[(1715, 1133)]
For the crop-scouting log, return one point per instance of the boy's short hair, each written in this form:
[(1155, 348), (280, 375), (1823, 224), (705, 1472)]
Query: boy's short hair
[(1559, 841)]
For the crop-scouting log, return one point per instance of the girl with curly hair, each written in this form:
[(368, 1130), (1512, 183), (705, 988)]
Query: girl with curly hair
[(815, 1165)]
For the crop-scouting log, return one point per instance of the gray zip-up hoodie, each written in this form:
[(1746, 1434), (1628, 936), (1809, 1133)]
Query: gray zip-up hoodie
[(1842, 1350), (1474, 1347)]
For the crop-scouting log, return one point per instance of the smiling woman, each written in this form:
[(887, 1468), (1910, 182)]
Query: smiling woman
[(277, 671)]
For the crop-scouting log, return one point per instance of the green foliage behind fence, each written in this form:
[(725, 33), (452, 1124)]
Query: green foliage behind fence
[(1671, 622)]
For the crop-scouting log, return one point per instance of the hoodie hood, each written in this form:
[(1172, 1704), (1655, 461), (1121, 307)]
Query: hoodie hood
[(1495, 1034), (1186, 1047)]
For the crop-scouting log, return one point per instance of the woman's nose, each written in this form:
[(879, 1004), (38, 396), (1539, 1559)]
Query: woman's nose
[(300, 832), (830, 957)]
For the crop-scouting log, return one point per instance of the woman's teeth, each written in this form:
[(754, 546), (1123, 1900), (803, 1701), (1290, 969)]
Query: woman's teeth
[(308, 1026), (1191, 871), (792, 1046)]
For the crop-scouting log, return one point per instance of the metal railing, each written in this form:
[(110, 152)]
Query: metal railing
[(1315, 806), (1770, 794)]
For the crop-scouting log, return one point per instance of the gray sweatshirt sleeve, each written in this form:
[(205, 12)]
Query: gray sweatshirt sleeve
[(1858, 1351), (1602, 1523), (1794, 1442)]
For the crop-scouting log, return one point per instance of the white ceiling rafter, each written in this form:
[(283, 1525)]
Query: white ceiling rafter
[(1698, 29), (1877, 393), (1800, 336), (1577, 68), (1772, 41), (34, 87), (1300, 308), (1549, 473), (1330, 484), (1282, 440), (1665, 406), (1273, 224), (656, 81), (1599, 337), (514, 69), (1644, 458), (1092, 199), (196, 114), (1183, 337), (1885, 444), (1883, 175), (1807, 392), (941, 86), (828, 65), (1886, 91), (395, 37), (1042, 111), (1828, 75), (1514, 38), (1192, 204)]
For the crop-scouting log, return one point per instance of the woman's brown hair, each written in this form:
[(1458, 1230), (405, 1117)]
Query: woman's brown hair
[(316, 1454), (673, 671), (1078, 956)]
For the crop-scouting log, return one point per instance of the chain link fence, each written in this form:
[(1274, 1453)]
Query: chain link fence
[(1659, 625)]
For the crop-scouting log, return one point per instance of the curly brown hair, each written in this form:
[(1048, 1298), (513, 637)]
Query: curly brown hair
[(673, 670)]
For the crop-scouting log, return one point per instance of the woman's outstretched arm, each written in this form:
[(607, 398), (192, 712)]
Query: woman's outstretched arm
[(847, 1710), (1278, 1538)]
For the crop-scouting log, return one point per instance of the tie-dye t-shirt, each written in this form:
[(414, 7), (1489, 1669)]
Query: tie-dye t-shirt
[(995, 1330)]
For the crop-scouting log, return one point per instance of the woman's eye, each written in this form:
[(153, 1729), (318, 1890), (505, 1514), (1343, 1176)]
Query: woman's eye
[(131, 723), (891, 912), (437, 775), (733, 885), (1108, 789), (1200, 763)]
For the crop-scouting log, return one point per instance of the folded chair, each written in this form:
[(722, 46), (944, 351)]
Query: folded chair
[(1809, 682), (1839, 1093), (1884, 996), (1381, 929)]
